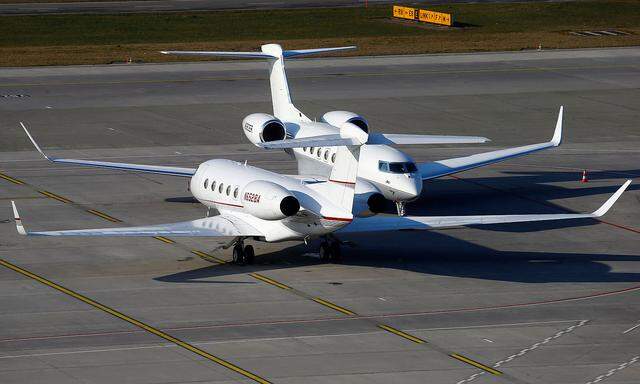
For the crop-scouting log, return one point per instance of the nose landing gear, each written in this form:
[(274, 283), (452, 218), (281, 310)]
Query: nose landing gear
[(400, 207)]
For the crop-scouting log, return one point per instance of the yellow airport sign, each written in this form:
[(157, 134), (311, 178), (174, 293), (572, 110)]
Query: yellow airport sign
[(424, 15), (405, 12), (435, 17)]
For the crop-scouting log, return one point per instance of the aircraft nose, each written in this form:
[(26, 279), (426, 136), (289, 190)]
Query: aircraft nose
[(412, 188)]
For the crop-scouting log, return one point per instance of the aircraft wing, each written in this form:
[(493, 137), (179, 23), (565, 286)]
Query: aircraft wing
[(441, 168), (225, 225), (158, 169), (393, 223), (401, 138)]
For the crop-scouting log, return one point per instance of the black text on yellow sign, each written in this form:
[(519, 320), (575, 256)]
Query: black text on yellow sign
[(423, 15), (435, 17), (405, 12)]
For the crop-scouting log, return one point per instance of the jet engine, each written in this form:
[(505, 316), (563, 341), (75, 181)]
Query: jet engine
[(262, 128), (269, 201), (337, 118), (368, 199)]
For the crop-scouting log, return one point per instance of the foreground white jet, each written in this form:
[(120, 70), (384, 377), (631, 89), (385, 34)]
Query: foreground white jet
[(266, 206), (385, 172)]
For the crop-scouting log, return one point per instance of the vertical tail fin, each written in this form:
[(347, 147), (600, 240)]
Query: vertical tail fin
[(283, 107), (345, 169)]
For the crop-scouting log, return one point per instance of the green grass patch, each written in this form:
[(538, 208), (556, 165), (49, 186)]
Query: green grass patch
[(130, 32)]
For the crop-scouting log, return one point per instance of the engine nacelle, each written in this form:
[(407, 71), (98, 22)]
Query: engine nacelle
[(368, 199), (262, 128), (337, 118), (269, 201)]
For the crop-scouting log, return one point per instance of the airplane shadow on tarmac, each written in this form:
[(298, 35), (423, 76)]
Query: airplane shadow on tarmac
[(441, 253)]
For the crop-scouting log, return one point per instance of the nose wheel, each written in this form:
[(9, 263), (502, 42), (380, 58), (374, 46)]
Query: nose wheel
[(243, 254), (400, 207), (330, 251)]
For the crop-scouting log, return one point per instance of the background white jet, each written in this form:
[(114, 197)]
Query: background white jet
[(266, 206), (385, 172)]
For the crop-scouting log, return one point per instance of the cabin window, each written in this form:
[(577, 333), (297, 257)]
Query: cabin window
[(313, 150), (228, 190), (221, 187), (213, 185), (235, 193), (333, 158), (206, 183), (319, 153)]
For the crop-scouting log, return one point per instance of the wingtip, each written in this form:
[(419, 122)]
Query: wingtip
[(557, 134), (16, 218), (610, 201), (33, 141)]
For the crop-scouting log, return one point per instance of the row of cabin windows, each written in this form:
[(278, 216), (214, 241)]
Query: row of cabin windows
[(221, 188), (318, 153)]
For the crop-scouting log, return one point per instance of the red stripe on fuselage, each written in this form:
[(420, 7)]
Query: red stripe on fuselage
[(337, 218), (219, 202), (342, 182)]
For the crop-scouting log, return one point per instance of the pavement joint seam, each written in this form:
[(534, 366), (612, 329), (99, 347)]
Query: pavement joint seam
[(321, 76)]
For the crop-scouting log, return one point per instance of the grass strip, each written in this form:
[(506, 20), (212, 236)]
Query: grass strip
[(100, 39)]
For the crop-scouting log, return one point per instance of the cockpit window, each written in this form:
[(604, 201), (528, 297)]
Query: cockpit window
[(401, 167)]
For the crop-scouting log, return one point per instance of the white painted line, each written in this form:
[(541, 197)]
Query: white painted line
[(488, 341), (614, 370), (631, 329), (526, 350)]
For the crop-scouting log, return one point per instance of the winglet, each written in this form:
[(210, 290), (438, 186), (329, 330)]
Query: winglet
[(605, 207), (16, 217), (557, 134), (34, 144)]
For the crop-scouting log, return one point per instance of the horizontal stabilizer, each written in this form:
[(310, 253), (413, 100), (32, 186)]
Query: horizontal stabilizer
[(243, 55), (258, 55), (313, 141), (392, 223), (397, 138)]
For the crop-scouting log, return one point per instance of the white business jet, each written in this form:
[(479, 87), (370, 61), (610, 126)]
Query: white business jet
[(385, 172), (266, 206)]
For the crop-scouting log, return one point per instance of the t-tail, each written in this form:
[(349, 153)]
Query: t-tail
[(283, 107)]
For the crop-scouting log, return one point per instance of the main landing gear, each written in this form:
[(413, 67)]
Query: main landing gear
[(243, 254), (330, 251), (400, 207)]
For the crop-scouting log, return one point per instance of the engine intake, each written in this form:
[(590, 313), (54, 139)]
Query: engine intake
[(337, 118), (263, 128)]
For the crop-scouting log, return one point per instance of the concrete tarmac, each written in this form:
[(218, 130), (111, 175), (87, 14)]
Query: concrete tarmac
[(522, 303)]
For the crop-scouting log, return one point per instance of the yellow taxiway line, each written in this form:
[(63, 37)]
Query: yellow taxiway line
[(135, 322)]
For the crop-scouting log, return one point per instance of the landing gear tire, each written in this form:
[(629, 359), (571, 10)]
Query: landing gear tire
[(336, 254), (249, 254), (325, 252), (330, 252), (238, 255)]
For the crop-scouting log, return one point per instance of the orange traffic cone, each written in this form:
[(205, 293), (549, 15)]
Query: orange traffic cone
[(584, 177)]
